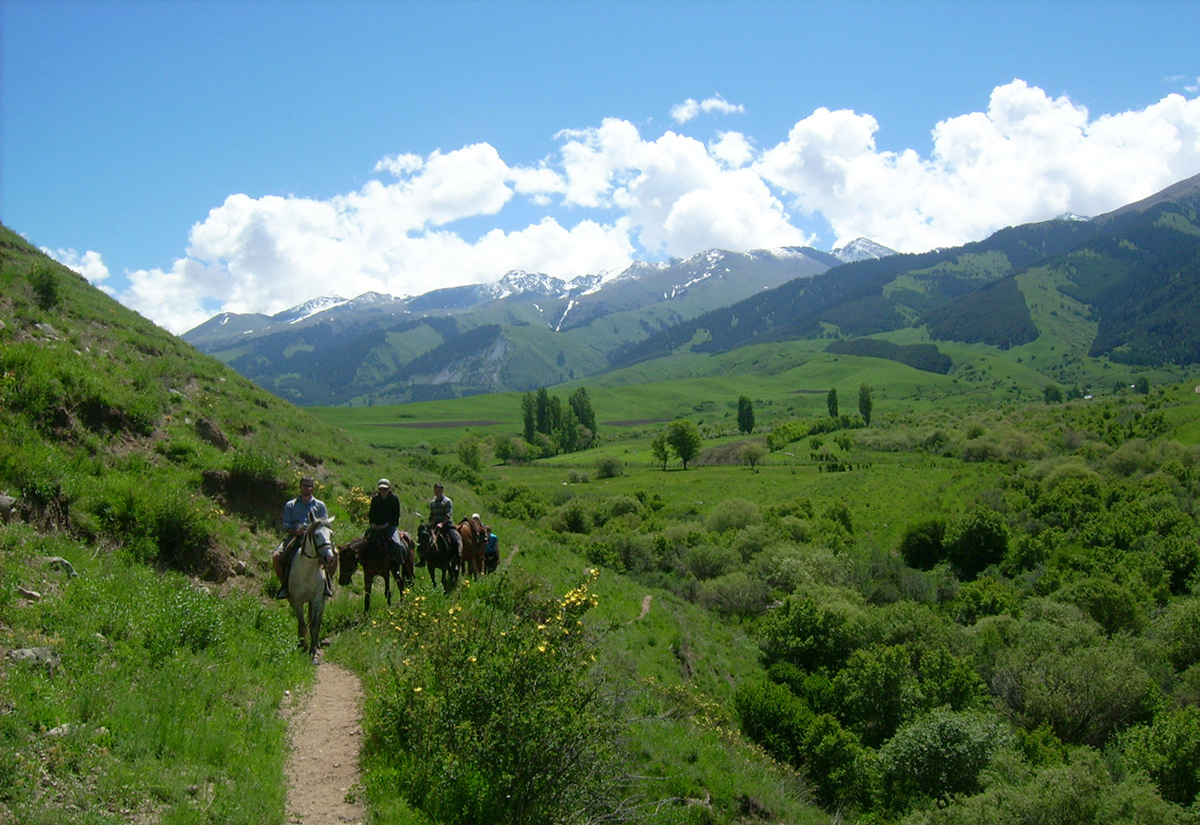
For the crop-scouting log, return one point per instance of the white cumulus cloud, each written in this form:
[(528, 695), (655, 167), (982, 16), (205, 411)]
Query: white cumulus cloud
[(689, 109), (1029, 157)]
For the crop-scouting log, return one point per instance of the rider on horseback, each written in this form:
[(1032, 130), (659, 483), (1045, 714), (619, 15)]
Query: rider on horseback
[(384, 516), (441, 519), (297, 514)]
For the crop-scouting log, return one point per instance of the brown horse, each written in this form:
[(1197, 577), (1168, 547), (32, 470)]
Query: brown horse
[(474, 541), (374, 555), (437, 553)]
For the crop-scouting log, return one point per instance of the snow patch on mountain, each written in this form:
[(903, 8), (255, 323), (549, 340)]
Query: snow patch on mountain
[(308, 309)]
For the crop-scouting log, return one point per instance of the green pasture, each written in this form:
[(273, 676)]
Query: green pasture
[(784, 381)]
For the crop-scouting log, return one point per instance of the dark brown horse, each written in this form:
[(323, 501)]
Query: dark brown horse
[(474, 541), (437, 553), (374, 555)]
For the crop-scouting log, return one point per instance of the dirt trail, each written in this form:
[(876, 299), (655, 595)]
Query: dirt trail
[(325, 738)]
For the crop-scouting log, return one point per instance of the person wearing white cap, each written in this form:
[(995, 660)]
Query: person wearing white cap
[(384, 517)]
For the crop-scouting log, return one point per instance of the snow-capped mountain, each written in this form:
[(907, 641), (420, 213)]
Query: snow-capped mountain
[(861, 249), (584, 318)]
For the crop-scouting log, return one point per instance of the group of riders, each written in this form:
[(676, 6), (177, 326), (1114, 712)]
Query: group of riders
[(384, 519)]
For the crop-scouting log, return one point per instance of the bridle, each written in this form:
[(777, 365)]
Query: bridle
[(311, 538)]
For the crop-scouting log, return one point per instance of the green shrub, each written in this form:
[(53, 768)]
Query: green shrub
[(940, 755), (986, 596), (491, 712), (1112, 605), (844, 773), (1168, 751), (923, 545), (948, 681), (878, 691), (773, 717), (812, 634), (1085, 695), (1081, 791), (609, 467), (45, 288), (976, 541), (153, 521), (1179, 630), (733, 514), (735, 595), (572, 517), (708, 561), (520, 503)]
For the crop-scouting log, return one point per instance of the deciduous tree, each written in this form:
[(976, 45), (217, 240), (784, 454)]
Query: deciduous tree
[(684, 438)]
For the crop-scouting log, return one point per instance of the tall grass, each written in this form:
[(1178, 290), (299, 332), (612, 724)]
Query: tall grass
[(159, 700)]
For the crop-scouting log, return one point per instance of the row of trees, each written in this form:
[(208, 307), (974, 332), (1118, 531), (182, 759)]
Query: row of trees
[(865, 403), (555, 427)]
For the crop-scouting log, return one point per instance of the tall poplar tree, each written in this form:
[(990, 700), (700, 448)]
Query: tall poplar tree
[(745, 415)]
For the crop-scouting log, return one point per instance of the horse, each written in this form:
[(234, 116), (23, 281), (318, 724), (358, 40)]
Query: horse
[(306, 583), (437, 551), (474, 539), (373, 553)]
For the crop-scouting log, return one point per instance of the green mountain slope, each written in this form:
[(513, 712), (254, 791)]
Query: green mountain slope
[(1135, 269)]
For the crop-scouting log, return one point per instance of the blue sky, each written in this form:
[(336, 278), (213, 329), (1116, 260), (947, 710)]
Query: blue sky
[(199, 156)]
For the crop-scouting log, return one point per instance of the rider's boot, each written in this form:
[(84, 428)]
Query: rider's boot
[(278, 564)]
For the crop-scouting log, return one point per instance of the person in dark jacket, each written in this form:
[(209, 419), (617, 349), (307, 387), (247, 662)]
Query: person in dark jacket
[(384, 517)]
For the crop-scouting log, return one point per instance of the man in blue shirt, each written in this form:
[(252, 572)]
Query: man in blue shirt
[(297, 514)]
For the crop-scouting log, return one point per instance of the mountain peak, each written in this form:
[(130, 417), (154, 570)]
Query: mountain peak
[(862, 249), (307, 309)]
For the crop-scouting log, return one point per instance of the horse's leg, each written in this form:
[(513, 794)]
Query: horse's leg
[(387, 586), (315, 608), (301, 625), (368, 580)]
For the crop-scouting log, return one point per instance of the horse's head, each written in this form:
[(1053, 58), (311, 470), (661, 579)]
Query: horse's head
[(424, 534), (320, 536), (347, 561)]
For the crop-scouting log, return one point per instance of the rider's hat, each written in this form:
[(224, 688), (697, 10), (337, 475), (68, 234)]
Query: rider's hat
[(383, 482)]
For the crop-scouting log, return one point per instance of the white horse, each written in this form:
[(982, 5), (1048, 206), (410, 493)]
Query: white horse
[(306, 583)]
